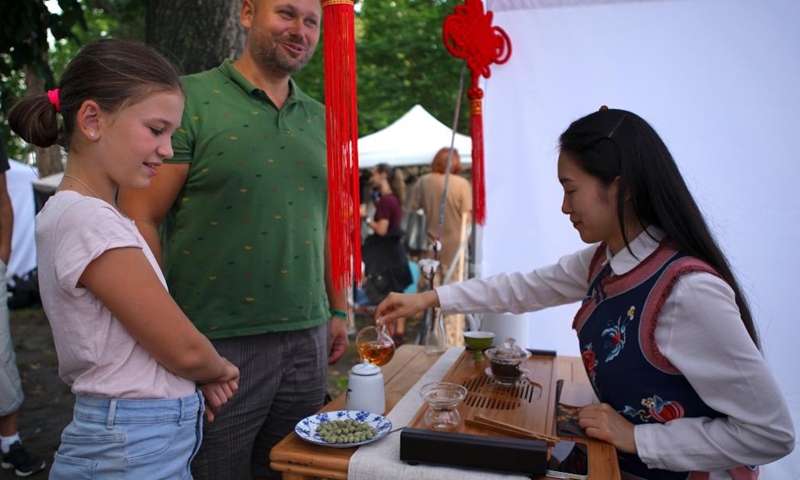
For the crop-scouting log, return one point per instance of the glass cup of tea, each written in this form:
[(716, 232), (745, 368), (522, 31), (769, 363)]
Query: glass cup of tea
[(375, 345)]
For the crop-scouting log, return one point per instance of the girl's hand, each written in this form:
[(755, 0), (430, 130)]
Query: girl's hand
[(216, 395), (229, 372), (398, 305), (220, 390), (601, 421)]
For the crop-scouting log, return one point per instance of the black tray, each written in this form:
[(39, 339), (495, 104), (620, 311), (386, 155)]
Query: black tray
[(527, 457)]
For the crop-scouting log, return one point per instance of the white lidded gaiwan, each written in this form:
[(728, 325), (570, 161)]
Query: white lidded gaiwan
[(365, 388)]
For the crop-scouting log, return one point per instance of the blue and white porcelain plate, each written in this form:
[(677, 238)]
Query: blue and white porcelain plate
[(307, 427)]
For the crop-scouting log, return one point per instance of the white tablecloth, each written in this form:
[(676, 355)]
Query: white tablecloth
[(381, 459)]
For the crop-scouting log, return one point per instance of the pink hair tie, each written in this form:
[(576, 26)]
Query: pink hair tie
[(52, 95)]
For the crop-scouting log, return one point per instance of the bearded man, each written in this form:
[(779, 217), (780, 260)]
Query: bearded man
[(243, 211)]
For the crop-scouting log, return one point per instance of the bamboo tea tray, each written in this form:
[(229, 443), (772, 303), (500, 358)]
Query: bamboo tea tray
[(530, 404)]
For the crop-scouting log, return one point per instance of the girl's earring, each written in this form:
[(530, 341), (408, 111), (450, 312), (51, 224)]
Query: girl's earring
[(91, 134)]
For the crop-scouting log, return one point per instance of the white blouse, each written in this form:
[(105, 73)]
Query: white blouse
[(700, 331)]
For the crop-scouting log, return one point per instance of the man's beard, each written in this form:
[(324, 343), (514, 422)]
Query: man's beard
[(273, 58)]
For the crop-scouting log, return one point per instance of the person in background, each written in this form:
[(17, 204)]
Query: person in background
[(386, 265), (15, 455), (427, 195), (666, 336), (131, 356), (243, 207)]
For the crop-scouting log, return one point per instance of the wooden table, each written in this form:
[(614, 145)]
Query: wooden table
[(300, 460)]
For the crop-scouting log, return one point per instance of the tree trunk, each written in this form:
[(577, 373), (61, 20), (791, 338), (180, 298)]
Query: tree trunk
[(48, 160), (195, 34)]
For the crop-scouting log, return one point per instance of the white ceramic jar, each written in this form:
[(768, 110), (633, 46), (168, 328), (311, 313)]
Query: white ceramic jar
[(365, 389)]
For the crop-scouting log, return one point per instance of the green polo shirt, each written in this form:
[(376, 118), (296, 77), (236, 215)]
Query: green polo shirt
[(243, 243)]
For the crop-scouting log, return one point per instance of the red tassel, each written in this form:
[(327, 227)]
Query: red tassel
[(342, 135), (478, 174), (468, 33)]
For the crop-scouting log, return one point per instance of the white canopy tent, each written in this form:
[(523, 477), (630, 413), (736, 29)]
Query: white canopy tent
[(412, 140), (717, 79)]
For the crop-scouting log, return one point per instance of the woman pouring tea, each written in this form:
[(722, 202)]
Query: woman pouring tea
[(666, 335)]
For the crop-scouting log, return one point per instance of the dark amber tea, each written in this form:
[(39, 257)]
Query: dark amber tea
[(377, 353)]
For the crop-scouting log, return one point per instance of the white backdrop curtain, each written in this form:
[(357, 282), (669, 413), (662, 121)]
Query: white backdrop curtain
[(718, 79)]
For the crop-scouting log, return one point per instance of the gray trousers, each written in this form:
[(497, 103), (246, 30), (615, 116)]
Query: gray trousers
[(11, 395), (283, 379)]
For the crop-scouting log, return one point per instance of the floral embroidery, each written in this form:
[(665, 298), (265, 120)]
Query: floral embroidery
[(589, 360), (589, 363), (663, 411), (657, 409), (633, 413), (618, 337)]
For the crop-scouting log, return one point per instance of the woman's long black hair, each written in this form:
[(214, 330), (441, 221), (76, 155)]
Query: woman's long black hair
[(616, 143)]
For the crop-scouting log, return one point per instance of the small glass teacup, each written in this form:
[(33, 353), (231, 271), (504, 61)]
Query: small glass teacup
[(442, 399)]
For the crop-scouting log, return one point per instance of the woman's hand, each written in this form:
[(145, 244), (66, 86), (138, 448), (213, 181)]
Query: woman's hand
[(398, 305), (601, 421)]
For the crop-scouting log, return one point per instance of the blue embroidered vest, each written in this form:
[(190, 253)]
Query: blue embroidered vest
[(616, 327)]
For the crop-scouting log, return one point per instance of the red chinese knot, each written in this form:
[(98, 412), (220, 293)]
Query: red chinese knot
[(468, 33)]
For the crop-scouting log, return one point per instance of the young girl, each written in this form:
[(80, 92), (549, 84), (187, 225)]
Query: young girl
[(665, 333), (130, 355)]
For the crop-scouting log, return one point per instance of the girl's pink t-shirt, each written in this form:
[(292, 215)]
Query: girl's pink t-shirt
[(96, 354)]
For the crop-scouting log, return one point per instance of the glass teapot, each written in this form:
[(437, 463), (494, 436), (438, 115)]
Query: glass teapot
[(506, 361), (375, 345)]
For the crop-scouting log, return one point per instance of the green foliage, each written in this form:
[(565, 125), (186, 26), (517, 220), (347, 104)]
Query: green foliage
[(24, 25), (116, 18), (104, 18), (402, 61), (11, 87)]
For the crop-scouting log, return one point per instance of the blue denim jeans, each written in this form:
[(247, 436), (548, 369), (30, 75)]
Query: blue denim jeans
[(130, 439)]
